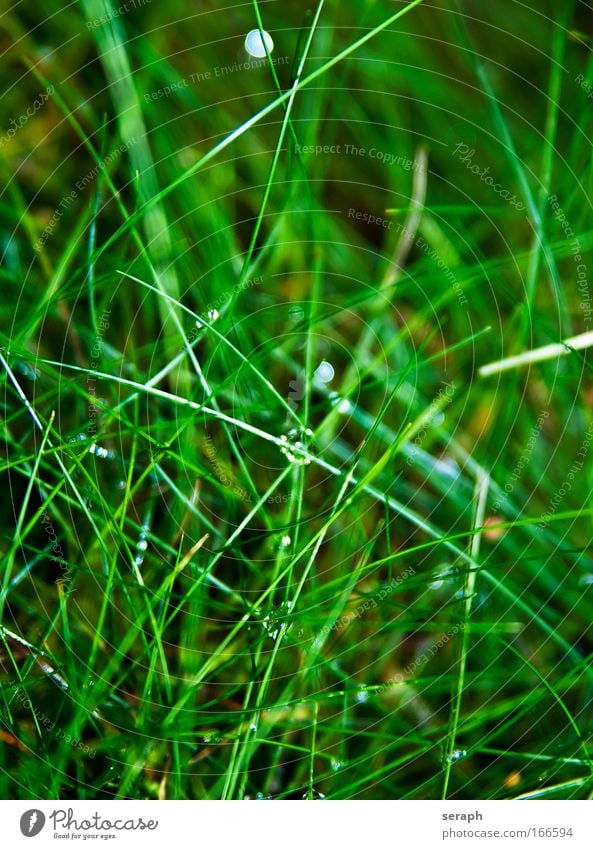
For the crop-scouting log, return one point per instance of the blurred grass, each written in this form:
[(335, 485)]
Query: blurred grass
[(272, 585)]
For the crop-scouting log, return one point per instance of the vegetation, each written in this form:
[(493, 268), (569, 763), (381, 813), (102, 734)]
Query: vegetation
[(268, 531)]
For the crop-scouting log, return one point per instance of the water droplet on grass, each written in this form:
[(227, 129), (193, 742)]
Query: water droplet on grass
[(315, 794), (293, 446), (102, 453), (256, 43), (457, 755), (324, 372)]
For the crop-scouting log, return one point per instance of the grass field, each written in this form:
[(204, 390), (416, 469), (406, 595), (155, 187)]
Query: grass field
[(270, 528)]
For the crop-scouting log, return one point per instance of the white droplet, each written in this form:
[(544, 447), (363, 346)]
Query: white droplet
[(142, 545), (314, 795), (80, 437), (324, 372), (458, 755), (213, 315), (286, 540), (345, 406), (361, 697), (255, 45), (438, 419), (293, 446), (103, 453)]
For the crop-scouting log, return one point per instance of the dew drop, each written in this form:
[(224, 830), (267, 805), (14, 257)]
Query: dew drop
[(324, 372), (293, 446), (314, 795), (256, 45), (102, 453), (141, 546)]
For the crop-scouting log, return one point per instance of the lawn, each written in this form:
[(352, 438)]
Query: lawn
[(295, 505)]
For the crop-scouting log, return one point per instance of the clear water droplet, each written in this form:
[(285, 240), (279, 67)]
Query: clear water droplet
[(345, 407), (100, 452), (80, 437), (141, 545), (325, 372), (315, 794), (213, 315), (285, 541), (361, 697), (256, 43), (293, 446)]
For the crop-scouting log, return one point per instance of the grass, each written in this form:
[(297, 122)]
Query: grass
[(228, 573)]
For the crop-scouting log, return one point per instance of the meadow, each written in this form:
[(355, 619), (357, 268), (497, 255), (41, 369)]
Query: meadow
[(295, 506)]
